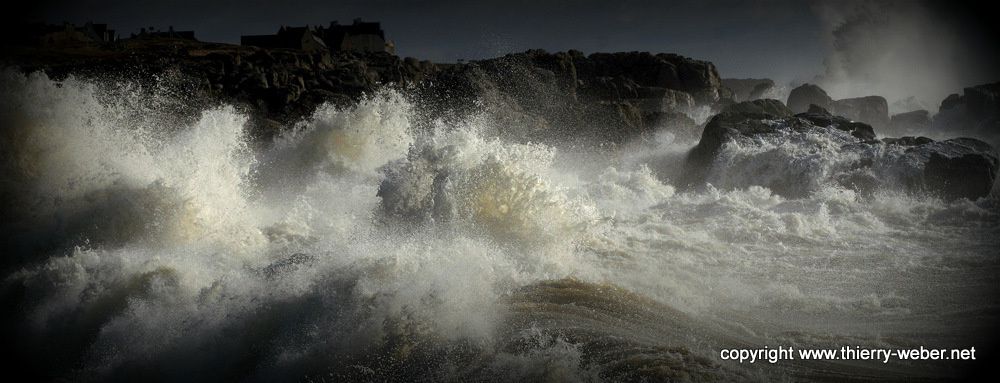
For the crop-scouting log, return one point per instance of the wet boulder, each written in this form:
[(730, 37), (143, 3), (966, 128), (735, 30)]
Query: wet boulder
[(698, 78), (822, 117), (808, 94), (607, 97), (745, 119), (759, 144), (873, 110), (975, 112), (759, 107), (910, 122), (960, 168), (983, 101)]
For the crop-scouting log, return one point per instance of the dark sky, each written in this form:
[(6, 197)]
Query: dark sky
[(786, 40), (776, 39)]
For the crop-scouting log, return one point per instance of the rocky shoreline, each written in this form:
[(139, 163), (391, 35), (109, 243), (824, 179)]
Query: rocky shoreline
[(540, 96), (618, 93)]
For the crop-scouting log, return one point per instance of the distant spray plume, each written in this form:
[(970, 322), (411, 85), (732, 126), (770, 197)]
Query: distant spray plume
[(910, 52)]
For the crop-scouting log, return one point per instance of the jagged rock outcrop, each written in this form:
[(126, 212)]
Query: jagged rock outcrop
[(278, 86), (808, 94), (697, 78), (909, 123), (748, 89), (611, 96), (983, 101), (751, 118), (767, 107), (960, 168), (976, 111), (873, 110), (955, 168), (761, 143)]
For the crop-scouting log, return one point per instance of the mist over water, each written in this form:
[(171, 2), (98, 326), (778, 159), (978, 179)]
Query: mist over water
[(372, 243), (913, 53)]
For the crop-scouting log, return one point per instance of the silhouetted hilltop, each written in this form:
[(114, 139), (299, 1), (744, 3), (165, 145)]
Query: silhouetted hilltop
[(613, 95)]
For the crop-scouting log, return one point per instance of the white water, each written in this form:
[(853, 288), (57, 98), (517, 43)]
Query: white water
[(358, 245)]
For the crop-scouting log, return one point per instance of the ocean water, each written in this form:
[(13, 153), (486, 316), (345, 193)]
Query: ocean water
[(370, 243)]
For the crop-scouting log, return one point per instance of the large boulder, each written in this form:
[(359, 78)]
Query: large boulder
[(753, 118), (822, 117), (910, 123), (603, 96), (961, 167), (808, 94), (698, 78), (873, 110), (757, 144), (769, 107), (983, 101), (975, 112)]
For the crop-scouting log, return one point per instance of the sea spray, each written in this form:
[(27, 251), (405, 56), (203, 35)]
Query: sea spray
[(367, 243)]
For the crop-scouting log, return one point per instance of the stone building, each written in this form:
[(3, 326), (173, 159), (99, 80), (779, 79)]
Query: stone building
[(301, 38), (71, 34), (360, 36), (170, 33)]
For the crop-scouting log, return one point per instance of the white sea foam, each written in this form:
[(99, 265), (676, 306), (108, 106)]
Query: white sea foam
[(357, 245)]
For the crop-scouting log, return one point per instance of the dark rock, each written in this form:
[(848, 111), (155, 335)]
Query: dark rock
[(976, 112), (616, 121), (796, 155), (604, 96), (821, 117), (763, 117), (916, 121), (873, 110), (961, 168), (760, 107), (983, 101), (951, 102), (653, 100), (553, 93), (744, 119), (700, 79), (908, 141), (801, 97)]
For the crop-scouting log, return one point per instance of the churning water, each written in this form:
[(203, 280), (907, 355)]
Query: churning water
[(367, 244)]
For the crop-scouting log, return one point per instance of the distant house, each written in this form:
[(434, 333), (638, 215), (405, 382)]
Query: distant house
[(71, 34), (100, 32), (302, 38), (360, 36), (170, 33)]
